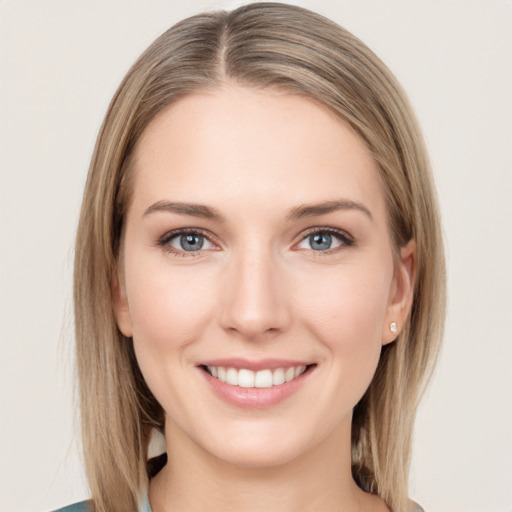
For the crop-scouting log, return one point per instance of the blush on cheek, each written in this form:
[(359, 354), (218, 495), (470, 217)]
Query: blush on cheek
[(347, 317), (169, 311), (354, 310)]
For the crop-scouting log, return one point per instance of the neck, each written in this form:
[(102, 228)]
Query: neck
[(195, 480)]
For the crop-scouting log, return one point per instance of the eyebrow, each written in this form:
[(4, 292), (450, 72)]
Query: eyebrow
[(312, 210), (195, 210), (297, 213)]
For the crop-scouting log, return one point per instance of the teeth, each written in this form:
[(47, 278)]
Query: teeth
[(246, 379), (278, 377), (289, 374), (299, 370), (260, 379), (263, 379), (232, 377)]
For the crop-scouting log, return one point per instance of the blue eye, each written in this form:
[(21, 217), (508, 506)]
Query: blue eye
[(188, 242), (182, 242), (325, 240), (320, 241)]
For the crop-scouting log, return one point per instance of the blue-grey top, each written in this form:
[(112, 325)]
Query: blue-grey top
[(83, 506)]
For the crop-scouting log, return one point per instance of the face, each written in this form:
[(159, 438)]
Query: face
[(257, 276)]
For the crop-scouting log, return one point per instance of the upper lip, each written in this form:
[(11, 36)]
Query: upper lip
[(254, 365)]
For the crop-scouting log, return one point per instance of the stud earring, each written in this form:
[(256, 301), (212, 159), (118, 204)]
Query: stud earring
[(393, 327)]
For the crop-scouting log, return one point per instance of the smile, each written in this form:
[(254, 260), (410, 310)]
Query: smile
[(265, 378), (254, 383)]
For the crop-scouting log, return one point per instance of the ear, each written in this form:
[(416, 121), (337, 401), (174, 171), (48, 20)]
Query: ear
[(121, 306), (401, 293)]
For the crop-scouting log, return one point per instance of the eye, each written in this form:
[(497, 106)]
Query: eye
[(325, 240), (185, 241)]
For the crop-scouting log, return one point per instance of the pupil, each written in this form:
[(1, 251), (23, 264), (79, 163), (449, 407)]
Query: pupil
[(320, 241), (191, 242)]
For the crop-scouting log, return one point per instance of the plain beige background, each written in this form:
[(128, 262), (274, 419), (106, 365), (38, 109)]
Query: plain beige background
[(60, 62)]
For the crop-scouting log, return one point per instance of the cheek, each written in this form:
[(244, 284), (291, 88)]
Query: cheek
[(350, 300), (169, 311), (167, 307), (346, 315)]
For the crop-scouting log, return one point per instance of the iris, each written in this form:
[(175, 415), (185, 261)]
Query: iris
[(320, 241), (191, 242)]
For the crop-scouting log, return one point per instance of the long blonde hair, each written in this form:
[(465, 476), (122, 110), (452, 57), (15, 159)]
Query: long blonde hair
[(258, 45)]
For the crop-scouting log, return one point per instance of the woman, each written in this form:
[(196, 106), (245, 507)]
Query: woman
[(259, 273)]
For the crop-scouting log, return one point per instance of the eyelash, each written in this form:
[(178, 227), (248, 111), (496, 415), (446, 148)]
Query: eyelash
[(343, 237), (164, 241)]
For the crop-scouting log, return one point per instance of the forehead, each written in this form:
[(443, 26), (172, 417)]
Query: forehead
[(265, 145)]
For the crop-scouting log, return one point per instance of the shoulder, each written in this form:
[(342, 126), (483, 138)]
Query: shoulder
[(414, 507), (82, 506)]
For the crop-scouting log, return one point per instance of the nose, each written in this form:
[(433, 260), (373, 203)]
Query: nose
[(255, 304)]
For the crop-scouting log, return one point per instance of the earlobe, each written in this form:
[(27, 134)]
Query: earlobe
[(121, 306), (401, 293)]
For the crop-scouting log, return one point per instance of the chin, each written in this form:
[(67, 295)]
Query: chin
[(260, 445), (254, 457)]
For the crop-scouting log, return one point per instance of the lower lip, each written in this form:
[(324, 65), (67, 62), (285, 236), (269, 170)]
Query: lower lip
[(255, 398)]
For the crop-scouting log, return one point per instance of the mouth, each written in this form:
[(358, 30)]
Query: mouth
[(264, 378), (246, 378), (255, 383)]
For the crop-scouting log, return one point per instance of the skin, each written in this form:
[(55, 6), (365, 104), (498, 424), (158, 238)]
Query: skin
[(258, 289)]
